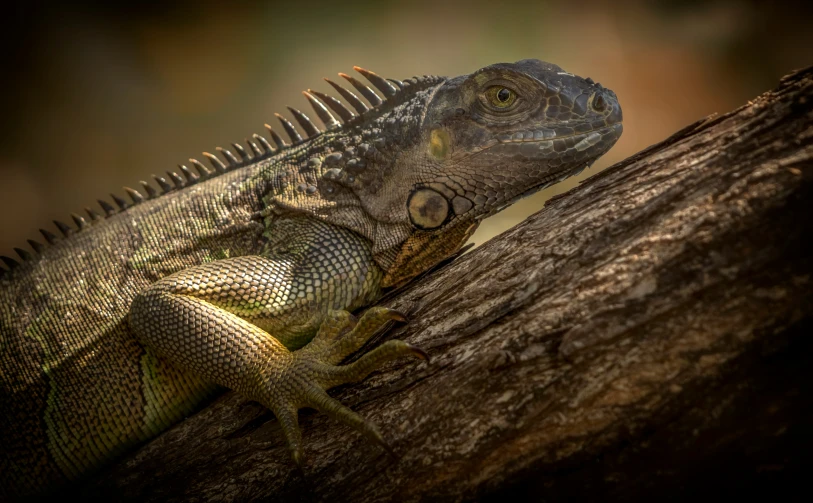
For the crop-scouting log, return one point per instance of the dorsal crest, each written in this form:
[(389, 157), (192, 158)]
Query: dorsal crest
[(331, 111)]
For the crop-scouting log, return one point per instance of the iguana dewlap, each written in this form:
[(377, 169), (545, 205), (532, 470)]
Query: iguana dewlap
[(243, 275)]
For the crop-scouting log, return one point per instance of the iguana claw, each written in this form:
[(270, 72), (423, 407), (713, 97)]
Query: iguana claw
[(301, 380)]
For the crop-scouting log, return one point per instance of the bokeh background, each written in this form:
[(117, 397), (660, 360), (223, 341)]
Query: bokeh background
[(95, 97)]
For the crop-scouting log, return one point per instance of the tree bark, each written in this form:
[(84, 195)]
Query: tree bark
[(645, 335)]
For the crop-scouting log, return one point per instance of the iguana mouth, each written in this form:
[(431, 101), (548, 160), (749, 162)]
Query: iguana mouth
[(548, 135)]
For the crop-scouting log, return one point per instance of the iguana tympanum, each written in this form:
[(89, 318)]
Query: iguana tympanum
[(244, 276)]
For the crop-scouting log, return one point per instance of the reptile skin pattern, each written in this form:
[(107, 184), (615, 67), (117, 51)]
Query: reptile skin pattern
[(244, 275)]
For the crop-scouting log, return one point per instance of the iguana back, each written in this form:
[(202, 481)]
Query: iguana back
[(70, 363)]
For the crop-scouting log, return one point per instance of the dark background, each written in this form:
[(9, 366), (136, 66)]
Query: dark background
[(99, 96)]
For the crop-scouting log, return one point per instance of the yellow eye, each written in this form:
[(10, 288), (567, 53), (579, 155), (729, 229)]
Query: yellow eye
[(501, 97)]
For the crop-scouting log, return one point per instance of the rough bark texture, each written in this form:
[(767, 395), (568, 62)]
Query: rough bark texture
[(644, 336)]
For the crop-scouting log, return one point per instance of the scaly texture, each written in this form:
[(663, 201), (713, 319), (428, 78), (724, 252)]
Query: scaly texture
[(244, 277)]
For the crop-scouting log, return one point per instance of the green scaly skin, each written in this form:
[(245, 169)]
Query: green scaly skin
[(245, 278)]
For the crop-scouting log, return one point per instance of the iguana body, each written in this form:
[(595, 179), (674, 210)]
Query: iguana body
[(121, 328)]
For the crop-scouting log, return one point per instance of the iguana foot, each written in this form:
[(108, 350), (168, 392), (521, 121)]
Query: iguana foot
[(300, 380)]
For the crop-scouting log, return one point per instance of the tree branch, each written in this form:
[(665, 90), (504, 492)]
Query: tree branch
[(646, 334)]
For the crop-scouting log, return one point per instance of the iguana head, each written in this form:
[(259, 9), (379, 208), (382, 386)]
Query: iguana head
[(491, 137), (505, 131), (419, 170)]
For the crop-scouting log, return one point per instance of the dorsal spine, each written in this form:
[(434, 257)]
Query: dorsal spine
[(321, 103)]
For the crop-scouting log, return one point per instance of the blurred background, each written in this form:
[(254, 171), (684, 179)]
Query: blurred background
[(95, 97)]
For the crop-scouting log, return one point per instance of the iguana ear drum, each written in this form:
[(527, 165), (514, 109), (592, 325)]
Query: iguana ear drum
[(428, 209)]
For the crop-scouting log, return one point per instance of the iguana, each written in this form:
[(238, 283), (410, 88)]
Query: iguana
[(244, 275)]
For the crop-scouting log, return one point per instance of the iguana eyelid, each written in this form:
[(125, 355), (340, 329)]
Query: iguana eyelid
[(489, 98)]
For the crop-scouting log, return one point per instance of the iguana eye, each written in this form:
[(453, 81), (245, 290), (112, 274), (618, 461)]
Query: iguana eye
[(500, 96)]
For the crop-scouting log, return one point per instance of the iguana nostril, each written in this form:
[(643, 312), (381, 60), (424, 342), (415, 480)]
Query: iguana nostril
[(599, 103)]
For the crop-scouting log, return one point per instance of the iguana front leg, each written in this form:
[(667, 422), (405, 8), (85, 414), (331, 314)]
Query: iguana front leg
[(234, 321)]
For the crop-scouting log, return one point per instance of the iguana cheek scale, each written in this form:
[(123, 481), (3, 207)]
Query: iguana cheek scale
[(243, 275)]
